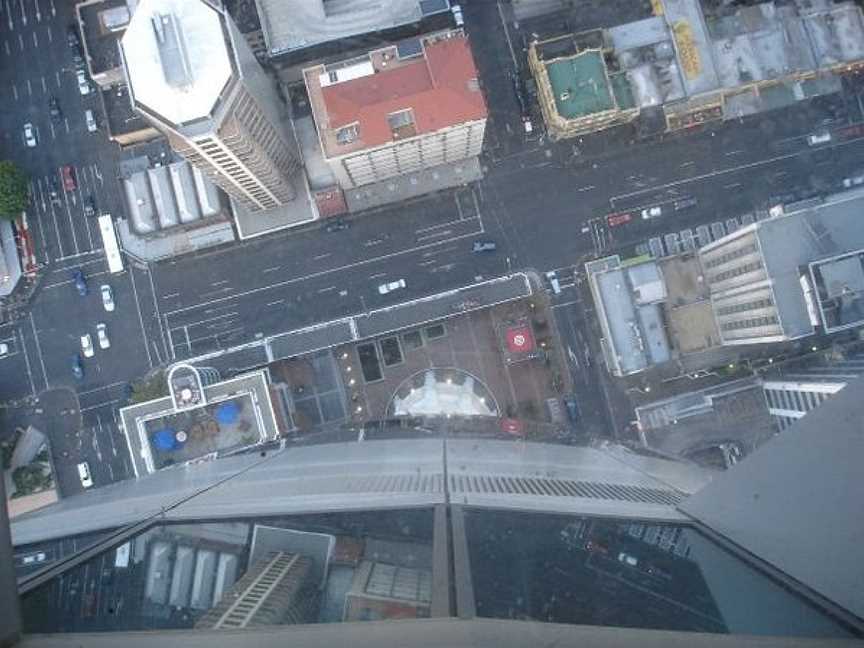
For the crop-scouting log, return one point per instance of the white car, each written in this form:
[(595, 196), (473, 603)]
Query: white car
[(652, 212), (107, 297), (819, 138), (30, 135), (391, 286), (627, 559), (83, 83), (102, 336), (87, 345), (4, 349), (34, 558), (84, 474)]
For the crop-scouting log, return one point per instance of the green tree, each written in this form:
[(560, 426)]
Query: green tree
[(29, 479), (13, 190)]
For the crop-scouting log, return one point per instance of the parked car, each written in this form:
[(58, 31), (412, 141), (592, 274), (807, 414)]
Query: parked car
[(87, 345), (854, 181), (67, 174), (673, 245), (483, 246), (30, 135), (391, 286), (83, 83), (337, 225), (822, 137), (34, 558), (572, 409), (84, 474), (717, 230), (684, 203), (628, 559), (80, 283), (748, 219), (732, 224), (652, 212), (102, 336), (687, 240), (615, 220), (457, 15), (4, 349), (72, 37), (732, 453), (77, 367), (54, 110), (107, 297), (703, 235), (655, 245)]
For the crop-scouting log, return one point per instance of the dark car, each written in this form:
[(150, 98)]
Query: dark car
[(484, 246), (80, 283), (337, 226), (89, 206), (72, 37), (684, 203), (54, 110), (77, 367), (572, 409)]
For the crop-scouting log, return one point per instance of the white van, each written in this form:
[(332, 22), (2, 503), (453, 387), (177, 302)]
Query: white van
[(91, 121), (84, 474)]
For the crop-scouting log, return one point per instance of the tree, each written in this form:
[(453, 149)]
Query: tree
[(13, 190), (30, 479)]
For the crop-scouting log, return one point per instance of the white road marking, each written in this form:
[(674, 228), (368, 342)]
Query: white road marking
[(738, 152), (35, 40), (586, 188), (8, 50), (327, 289), (378, 275), (140, 318), (273, 269), (321, 256), (27, 363), (21, 42), (71, 223), (39, 349), (44, 85), (158, 315), (15, 91), (276, 303), (219, 283), (50, 34), (171, 295), (435, 235), (29, 88)]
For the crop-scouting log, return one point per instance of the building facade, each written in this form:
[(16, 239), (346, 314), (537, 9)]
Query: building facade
[(191, 73), (400, 109)]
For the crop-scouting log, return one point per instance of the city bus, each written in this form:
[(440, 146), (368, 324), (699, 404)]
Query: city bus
[(110, 244)]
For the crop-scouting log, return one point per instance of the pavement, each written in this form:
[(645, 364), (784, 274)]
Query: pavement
[(543, 203)]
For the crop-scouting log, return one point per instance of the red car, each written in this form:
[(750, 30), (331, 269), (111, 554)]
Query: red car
[(67, 174), (615, 220)]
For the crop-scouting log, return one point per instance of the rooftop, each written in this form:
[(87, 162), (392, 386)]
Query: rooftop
[(178, 58), (580, 85), (233, 414), (839, 290), (296, 24), (394, 93), (103, 23)]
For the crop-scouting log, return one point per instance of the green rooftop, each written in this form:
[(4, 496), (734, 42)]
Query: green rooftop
[(579, 85)]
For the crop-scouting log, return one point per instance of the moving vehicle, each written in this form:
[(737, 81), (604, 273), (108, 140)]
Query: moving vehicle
[(90, 120), (628, 559), (32, 559), (84, 474), (87, 345), (83, 83), (819, 138), (684, 203), (102, 336), (80, 283), (614, 220), (483, 246), (552, 277), (854, 181), (391, 286), (89, 207), (337, 226), (107, 297), (110, 244), (54, 110), (30, 135), (68, 177), (77, 367), (652, 212), (4, 349)]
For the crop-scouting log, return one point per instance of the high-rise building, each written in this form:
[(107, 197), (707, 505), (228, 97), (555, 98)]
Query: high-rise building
[(793, 392), (398, 109), (192, 74), (513, 542)]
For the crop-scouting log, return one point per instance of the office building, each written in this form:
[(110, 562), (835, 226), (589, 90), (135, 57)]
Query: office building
[(413, 106), (690, 64), (593, 545), (793, 391), (192, 75)]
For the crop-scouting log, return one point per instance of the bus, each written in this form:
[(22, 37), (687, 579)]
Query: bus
[(110, 244)]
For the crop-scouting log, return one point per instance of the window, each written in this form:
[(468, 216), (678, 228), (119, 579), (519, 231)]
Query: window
[(348, 134), (402, 123)]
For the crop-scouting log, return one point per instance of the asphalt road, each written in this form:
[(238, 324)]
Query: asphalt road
[(545, 205)]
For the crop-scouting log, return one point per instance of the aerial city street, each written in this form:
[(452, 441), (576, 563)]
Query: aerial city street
[(227, 227)]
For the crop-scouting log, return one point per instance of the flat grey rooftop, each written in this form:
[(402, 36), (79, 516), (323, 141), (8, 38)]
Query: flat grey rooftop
[(295, 24)]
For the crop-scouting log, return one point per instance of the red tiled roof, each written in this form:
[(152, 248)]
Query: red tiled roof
[(438, 89)]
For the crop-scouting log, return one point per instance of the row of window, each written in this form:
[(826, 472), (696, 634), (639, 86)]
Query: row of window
[(746, 306), (737, 253), (737, 271), (750, 322)]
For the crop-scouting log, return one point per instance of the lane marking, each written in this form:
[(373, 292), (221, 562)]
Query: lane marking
[(140, 318), (39, 349), (27, 364)]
